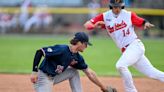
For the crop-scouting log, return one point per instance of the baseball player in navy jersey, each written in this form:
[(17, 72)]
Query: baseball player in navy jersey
[(61, 63), (119, 24)]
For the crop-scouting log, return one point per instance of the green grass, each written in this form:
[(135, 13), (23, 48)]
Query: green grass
[(17, 52)]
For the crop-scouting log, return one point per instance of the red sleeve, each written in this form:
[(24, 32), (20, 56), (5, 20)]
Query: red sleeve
[(98, 18), (136, 20)]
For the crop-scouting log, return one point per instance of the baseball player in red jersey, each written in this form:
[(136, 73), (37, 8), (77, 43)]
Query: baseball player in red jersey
[(119, 24)]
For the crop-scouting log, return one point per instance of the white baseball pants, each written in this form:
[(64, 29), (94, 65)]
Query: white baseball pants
[(45, 83), (134, 56)]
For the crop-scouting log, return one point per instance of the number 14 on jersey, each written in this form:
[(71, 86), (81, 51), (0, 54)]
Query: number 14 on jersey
[(125, 33)]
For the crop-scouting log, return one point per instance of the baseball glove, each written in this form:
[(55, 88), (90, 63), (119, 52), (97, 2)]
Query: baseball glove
[(111, 89)]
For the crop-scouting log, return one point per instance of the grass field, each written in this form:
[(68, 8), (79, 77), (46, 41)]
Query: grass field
[(17, 52)]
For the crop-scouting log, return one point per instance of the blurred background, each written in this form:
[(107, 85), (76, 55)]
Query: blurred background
[(27, 25), (66, 16)]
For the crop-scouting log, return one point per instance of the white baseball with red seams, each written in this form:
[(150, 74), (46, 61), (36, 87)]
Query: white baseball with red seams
[(121, 29)]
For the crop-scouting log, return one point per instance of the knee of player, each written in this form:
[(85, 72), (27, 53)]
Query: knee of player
[(75, 72), (120, 67)]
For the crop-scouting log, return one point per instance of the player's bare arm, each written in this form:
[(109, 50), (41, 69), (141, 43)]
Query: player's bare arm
[(93, 77)]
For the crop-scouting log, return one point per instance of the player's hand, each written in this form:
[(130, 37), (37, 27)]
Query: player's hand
[(99, 24), (148, 25), (34, 77), (109, 89)]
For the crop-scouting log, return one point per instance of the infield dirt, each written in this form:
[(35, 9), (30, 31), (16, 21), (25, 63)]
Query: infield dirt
[(21, 83)]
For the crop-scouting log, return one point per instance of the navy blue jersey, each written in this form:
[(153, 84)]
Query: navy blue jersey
[(58, 58)]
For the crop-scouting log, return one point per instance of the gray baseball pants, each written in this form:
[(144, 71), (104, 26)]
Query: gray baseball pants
[(45, 83)]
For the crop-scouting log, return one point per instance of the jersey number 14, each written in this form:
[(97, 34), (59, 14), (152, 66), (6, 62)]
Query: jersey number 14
[(125, 33)]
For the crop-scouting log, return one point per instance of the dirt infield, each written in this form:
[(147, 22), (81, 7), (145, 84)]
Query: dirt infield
[(21, 83)]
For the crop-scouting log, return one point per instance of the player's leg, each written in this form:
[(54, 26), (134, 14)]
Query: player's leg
[(74, 79), (145, 67), (44, 83), (128, 58)]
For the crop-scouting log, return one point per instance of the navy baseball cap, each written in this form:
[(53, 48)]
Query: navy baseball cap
[(82, 37)]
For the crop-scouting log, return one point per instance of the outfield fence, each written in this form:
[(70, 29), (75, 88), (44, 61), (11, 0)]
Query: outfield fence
[(68, 10)]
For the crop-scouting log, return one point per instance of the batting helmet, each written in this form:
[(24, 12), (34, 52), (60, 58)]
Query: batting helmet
[(116, 3)]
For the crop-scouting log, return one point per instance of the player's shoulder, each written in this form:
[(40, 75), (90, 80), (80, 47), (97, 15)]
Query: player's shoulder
[(108, 12), (61, 46), (57, 47), (126, 11)]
